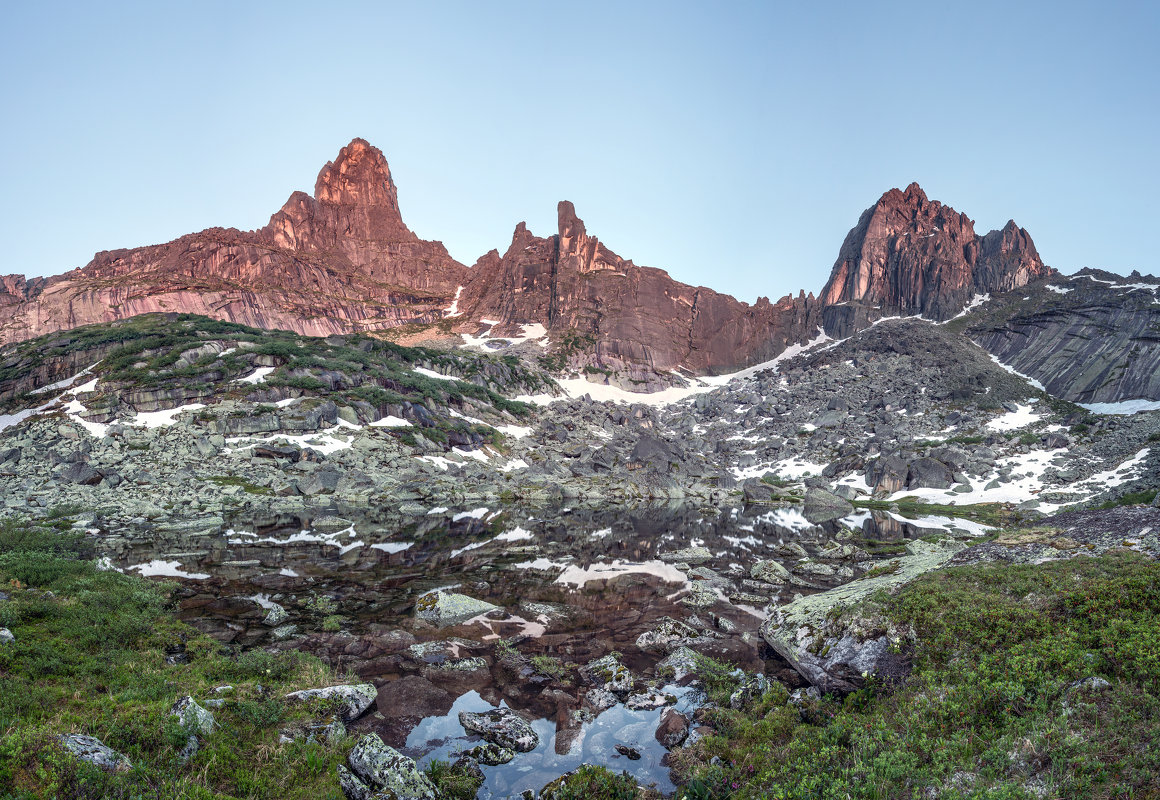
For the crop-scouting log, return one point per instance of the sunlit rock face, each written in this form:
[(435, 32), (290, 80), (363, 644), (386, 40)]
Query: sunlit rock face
[(910, 255), (624, 315), (340, 261)]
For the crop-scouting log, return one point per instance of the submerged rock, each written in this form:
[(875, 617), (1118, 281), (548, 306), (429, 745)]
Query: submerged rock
[(501, 726), (667, 634), (381, 768), (350, 700), (94, 751), (608, 673), (673, 728), (449, 608)]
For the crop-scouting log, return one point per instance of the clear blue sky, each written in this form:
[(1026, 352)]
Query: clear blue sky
[(733, 144)]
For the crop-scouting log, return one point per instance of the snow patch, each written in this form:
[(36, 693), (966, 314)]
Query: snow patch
[(167, 569), (1120, 407)]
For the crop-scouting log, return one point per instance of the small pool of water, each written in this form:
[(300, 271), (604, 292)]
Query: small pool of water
[(561, 748)]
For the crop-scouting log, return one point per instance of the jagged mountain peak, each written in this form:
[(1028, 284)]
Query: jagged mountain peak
[(911, 255), (359, 176)]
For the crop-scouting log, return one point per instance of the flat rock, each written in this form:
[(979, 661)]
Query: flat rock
[(351, 700), (835, 639), (449, 608), (501, 726), (94, 751)]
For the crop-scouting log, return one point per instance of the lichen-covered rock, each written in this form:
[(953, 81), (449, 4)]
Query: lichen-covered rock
[(384, 769), (667, 634), (753, 687), (608, 673), (491, 754), (701, 595), (193, 717), (449, 608), (688, 555), (600, 699), (349, 700), (94, 751), (352, 786), (681, 663), (6, 636), (838, 638), (275, 616), (501, 726), (769, 572)]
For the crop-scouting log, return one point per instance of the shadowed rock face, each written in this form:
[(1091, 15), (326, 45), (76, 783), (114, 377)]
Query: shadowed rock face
[(634, 315), (1092, 339), (340, 261), (909, 255)]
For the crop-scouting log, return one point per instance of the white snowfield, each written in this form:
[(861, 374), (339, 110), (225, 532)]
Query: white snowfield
[(534, 332), (600, 392)]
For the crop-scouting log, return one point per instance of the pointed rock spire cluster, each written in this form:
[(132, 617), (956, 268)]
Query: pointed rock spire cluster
[(343, 260)]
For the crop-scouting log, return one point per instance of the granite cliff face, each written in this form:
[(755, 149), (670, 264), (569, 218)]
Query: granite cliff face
[(910, 255), (340, 261), (625, 317)]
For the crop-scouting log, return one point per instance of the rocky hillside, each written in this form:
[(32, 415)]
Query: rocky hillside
[(909, 255)]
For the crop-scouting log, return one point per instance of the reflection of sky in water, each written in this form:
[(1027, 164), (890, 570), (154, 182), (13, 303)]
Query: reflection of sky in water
[(443, 738)]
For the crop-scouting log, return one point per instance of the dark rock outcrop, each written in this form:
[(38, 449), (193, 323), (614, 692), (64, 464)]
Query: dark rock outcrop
[(1092, 339), (909, 255)]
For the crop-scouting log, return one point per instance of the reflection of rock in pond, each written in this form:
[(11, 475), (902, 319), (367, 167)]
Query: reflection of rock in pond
[(558, 589), (565, 742)]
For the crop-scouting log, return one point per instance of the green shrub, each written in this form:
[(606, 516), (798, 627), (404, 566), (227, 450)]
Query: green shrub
[(591, 783)]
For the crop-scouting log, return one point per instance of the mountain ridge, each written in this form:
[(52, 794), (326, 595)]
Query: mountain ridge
[(342, 260)]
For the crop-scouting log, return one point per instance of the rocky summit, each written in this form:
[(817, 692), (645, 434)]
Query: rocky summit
[(318, 500)]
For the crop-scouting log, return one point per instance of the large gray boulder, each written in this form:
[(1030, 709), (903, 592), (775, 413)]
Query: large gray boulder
[(382, 769), (501, 726), (350, 700), (449, 608), (839, 638), (769, 572), (94, 751), (6, 636), (821, 506), (929, 473)]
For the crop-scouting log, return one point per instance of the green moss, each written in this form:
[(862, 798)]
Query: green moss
[(89, 656), (234, 480), (591, 783), (452, 781), (993, 694)]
